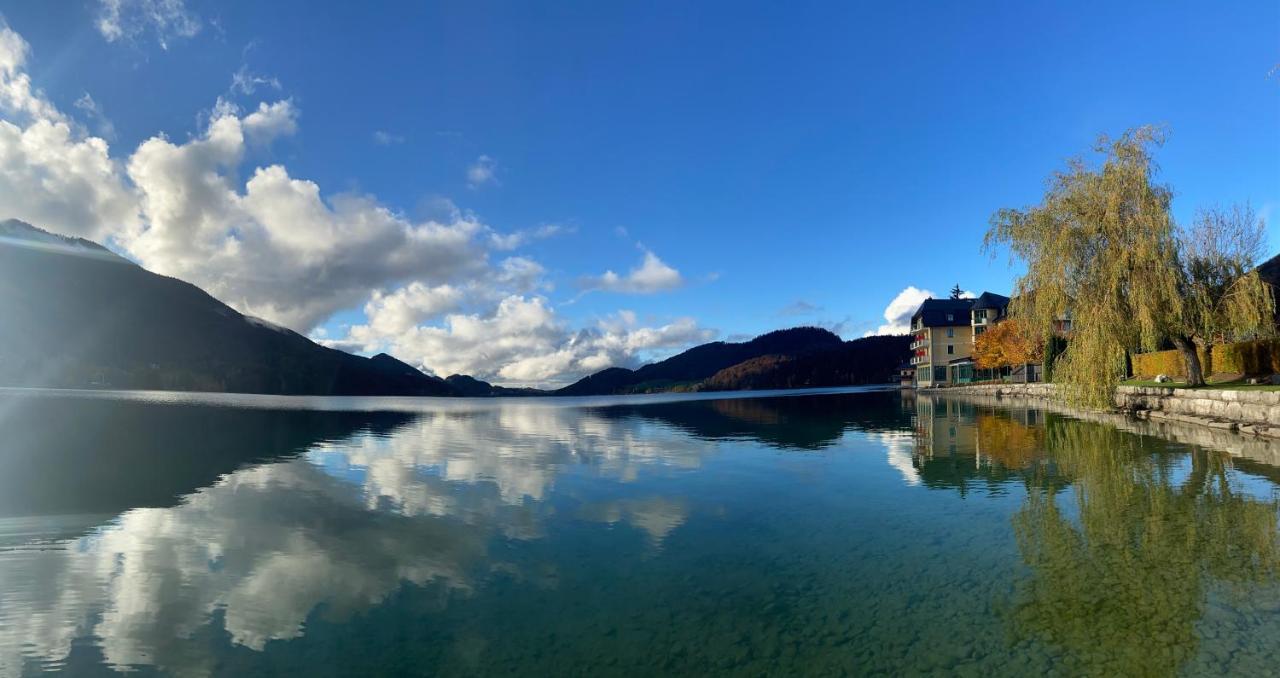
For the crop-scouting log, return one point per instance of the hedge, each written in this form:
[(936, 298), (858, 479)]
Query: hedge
[(1261, 357), (1160, 362)]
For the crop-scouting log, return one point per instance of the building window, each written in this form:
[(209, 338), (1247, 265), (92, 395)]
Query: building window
[(951, 332), (951, 349), (951, 317), (980, 316)]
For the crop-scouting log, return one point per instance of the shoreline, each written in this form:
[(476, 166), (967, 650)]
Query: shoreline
[(423, 403), (1240, 413)]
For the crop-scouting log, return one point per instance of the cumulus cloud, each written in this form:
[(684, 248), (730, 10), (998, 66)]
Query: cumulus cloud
[(128, 20), (393, 314), (897, 314), (275, 246), (522, 341), (482, 171), (50, 173), (270, 121), (652, 275)]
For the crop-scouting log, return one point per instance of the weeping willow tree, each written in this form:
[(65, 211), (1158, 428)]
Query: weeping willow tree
[(1102, 248)]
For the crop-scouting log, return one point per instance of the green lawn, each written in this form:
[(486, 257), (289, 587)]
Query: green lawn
[(1226, 385)]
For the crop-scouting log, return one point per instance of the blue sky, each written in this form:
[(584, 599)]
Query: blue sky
[(784, 163)]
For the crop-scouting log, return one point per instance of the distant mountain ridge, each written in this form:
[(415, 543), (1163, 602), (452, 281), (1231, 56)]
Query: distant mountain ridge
[(75, 315), (800, 357)]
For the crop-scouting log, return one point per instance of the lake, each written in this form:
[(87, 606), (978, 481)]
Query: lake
[(851, 531)]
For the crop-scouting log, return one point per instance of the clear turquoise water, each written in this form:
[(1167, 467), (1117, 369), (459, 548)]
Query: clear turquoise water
[(846, 533)]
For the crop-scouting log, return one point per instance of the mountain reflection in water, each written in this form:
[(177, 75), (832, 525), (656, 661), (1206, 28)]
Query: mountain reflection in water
[(745, 535)]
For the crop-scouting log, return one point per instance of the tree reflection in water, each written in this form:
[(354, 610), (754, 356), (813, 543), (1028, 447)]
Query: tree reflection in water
[(1127, 538), (1120, 585)]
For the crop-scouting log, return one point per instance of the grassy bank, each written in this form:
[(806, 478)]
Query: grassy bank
[(1238, 385)]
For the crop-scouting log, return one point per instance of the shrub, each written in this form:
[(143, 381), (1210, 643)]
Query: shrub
[(1248, 357), (1159, 362)]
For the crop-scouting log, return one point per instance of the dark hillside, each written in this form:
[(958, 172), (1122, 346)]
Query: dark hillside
[(77, 316), (791, 358)]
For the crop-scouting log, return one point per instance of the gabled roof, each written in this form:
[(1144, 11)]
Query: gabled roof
[(991, 300), (934, 312)]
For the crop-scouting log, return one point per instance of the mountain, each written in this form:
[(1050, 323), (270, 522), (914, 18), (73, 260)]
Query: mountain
[(869, 360), (75, 315), (465, 385), (793, 358)]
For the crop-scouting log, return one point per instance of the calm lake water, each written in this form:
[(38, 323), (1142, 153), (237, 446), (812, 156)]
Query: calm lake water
[(815, 534)]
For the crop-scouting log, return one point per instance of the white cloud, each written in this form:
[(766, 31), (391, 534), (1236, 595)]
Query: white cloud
[(523, 342), (393, 314), (130, 19), (521, 274), (385, 138), (510, 241), (652, 275), (51, 174), (482, 171), (17, 94), (277, 247), (270, 121), (897, 314), (247, 82)]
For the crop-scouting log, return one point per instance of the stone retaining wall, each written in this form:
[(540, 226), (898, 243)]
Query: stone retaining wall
[(1257, 448), (1249, 412)]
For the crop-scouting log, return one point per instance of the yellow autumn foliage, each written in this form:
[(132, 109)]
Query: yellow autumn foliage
[(1006, 344)]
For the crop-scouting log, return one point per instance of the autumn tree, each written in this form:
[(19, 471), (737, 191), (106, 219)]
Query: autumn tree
[(1103, 245), (1006, 344)]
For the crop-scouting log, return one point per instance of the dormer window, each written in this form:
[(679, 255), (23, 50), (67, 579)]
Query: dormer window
[(951, 317)]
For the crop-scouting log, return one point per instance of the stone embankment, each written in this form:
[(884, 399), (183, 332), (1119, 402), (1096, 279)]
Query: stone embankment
[(1247, 412)]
